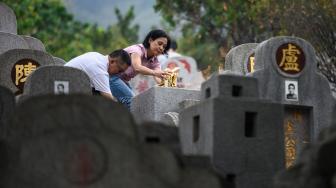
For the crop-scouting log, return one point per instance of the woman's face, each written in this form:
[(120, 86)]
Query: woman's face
[(158, 45)]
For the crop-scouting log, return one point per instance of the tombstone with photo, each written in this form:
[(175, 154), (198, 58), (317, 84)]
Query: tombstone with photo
[(17, 64), (286, 72), (57, 80)]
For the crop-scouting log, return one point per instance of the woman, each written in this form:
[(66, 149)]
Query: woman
[(144, 61)]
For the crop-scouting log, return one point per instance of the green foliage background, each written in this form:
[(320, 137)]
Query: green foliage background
[(66, 38)]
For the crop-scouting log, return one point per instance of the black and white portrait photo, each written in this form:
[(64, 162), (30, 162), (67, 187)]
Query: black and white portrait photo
[(61, 87), (291, 88)]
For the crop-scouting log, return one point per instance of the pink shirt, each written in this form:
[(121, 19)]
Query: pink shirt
[(152, 63)]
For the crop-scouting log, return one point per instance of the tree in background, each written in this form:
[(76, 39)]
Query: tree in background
[(222, 24), (64, 37)]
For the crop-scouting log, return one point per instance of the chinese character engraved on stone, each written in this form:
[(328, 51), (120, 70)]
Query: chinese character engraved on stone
[(250, 63), (290, 58), (21, 70), (290, 143)]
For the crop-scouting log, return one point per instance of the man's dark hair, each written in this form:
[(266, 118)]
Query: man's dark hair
[(154, 34), (291, 85), (122, 54)]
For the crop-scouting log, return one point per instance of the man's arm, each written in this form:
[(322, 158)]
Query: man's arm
[(108, 95)]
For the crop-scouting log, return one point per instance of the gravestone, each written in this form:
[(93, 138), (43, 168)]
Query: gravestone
[(153, 103), (17, 64), (7, 19), (286, 71), (240, 59), (188, 75), (141, 83), (7, 104), (241, 133), (57, 80), (11, 41), (34, 43), (81, 146), (59, 61)]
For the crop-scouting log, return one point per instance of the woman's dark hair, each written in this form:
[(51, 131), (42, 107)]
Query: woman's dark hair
[(154, 34)]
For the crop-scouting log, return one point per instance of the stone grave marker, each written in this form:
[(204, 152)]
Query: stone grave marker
[(34, 43), (17, 64), (241, 133), (7, 104), (59, 61), (81, 146), (57, 80), (141, 83), (152, 104), (7, 19), (11, 41), (240, 59), (286, 72)]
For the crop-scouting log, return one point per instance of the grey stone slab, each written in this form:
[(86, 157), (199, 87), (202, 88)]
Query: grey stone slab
[(153, 103), (237, 60), (7, 19), (59, 61), (34, 43), (244, 138), (45, 113), (7, 104), (285, 60), (17, 64), (158, 133), (229, 86), (11, 41), (50, 79)]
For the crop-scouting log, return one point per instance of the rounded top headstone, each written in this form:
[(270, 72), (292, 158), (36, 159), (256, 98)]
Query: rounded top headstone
[(289, 56), (11, 41), (7, 19), (34, 43), (239, 58)]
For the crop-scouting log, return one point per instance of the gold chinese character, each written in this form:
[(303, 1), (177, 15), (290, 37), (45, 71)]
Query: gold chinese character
[(252, 64), (289, 58), (23, 71)]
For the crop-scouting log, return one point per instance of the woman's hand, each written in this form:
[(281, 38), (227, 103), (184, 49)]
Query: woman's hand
[(159, 73)]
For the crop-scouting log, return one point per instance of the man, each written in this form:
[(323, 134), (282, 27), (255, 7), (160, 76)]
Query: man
[(99, 67), (291, 92)]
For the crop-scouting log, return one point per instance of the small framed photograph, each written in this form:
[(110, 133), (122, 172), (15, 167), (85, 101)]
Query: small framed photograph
[(61, 87), (291, 90)]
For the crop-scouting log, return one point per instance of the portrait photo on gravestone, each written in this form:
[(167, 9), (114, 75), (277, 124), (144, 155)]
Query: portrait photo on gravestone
[(291, 90)]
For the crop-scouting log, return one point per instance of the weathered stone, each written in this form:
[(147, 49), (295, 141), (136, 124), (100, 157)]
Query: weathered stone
[(34, 43), (11, 41), (7, 104), (152, 104), (7, 19), (17, 64), (229, 86), (59, 61), (239, 58), (46, 80)]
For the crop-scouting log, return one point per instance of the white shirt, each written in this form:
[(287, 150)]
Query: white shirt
[(95, 65)]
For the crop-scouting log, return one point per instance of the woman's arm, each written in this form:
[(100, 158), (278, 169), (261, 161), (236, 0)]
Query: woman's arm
[(136, 64)]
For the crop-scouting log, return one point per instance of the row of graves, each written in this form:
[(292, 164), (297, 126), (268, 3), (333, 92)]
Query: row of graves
[(267, 121), (54, 133)]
